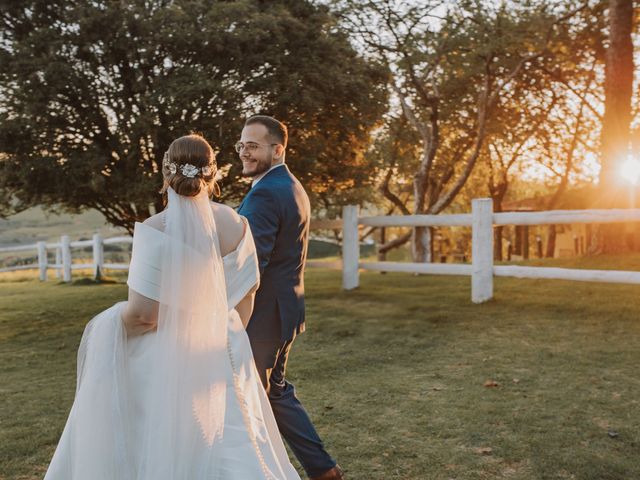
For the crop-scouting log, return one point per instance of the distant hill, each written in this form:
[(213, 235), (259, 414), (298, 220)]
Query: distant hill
[(37, 224)]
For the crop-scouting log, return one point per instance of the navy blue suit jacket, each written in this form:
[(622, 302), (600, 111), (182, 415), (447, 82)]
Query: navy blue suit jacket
[(278, 211)]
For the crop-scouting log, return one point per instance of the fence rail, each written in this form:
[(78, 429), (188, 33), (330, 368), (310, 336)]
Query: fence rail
[(482, 219), (63, 264), (557, 217), (482, 270)]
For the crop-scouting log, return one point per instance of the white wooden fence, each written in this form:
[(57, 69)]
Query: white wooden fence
[(63, 261), (482, 270), (482, 219)]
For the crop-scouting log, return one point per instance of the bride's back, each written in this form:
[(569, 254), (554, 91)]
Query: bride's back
[(188, 168), (141, 313), (229, 226)]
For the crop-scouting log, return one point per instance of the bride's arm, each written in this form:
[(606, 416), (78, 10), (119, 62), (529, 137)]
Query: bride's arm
[(245, 307), (140, 314), (231, 231)]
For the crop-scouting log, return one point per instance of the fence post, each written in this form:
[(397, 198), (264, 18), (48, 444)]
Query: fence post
[(350, 247), (42, 260), (98, 256), (482, 250), (58, 261), (65, 245)]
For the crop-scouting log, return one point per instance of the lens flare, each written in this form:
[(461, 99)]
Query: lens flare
[(630, 171)]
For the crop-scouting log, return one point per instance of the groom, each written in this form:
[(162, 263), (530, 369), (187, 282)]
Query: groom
[(278, 212)]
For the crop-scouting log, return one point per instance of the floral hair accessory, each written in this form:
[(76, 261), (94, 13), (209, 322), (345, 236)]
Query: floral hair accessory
[(189, 170), (186, 169)]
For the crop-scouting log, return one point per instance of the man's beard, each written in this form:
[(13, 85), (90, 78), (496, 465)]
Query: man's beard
[(261, 167)]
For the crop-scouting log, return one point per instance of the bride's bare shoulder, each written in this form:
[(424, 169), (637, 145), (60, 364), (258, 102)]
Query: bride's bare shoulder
[(229, 225), (156, 221)]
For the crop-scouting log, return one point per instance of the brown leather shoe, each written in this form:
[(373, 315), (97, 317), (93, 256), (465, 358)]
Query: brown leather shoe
[(335, 473)]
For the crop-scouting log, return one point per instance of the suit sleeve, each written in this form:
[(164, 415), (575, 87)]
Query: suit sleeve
[(261, 210)]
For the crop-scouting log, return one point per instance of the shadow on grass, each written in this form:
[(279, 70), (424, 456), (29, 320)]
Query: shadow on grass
[(93, 282)]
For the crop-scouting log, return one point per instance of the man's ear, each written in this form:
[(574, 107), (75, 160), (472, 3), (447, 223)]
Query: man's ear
[(279, 151)]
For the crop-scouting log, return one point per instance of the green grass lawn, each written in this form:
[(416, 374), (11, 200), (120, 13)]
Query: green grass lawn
[(393, 375)]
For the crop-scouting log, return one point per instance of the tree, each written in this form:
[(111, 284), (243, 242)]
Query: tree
[(618, 84), (92, 93), (548, 117), (519, 121), (616, 122), (451, 63)]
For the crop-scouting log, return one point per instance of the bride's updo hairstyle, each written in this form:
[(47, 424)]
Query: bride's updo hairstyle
[(189, 166)]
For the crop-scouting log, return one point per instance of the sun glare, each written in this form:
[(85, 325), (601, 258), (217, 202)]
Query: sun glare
[(630, 171)]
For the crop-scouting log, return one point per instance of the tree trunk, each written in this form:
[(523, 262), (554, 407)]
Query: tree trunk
[(421, 238), (382, 256), (539, 246), (615, 133), (551, 242), (618, 85), (421, 244), (497, 243), (518, 237)]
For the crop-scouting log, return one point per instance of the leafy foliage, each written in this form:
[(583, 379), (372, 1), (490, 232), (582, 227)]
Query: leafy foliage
[(92, 93)]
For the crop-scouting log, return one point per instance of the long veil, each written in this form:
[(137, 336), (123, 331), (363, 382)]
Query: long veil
[(154, 407), (188, 384)]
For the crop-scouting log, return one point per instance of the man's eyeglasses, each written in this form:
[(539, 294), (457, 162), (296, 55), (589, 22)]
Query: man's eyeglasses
[(252, 146)]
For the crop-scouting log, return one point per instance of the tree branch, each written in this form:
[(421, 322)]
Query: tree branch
[(389, 195), (395, 243)]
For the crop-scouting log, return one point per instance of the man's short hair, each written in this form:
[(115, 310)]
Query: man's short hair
[(276, 129)]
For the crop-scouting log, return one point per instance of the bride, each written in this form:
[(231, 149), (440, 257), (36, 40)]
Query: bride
[(166, 384)]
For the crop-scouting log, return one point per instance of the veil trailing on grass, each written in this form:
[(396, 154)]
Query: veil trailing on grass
[(184, 402), (188, 384), (176, 428)]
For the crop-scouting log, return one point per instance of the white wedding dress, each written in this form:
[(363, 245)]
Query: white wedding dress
[(184, 402)]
